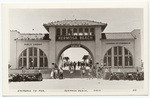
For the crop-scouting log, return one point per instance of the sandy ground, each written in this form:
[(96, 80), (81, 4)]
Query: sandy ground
[(77, 84)]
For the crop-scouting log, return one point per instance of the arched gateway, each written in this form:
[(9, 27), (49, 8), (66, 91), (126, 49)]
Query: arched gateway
[(113, 50), (77, 33), (75, 45)]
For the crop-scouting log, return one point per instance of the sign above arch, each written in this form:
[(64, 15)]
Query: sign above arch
[(75, 38)]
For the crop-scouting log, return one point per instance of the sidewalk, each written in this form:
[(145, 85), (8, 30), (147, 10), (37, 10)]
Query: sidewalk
[(77, 84)]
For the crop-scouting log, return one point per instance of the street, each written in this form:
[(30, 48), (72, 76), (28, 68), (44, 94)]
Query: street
[(78, 84)]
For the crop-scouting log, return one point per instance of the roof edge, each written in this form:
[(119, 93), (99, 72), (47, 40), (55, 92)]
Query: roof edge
[(47, 25)]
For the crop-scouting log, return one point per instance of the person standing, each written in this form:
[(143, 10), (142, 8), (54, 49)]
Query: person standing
[(52, 74), (101, 72), (69, 67), (71, 72), (94, 71), (98, 72), (78, 64), (74, 65), (83, 72), (90, 73), (106, 74), (56, 72), (71, 64), (60, 73)]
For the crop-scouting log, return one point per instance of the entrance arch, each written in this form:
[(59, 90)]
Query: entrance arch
[(74, 45)]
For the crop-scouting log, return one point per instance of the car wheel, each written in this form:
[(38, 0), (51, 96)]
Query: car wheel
[(40, 78)]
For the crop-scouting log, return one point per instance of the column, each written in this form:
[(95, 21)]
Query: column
[(38, 56), (112, 57), (67, 31), (77, 31), (83, 31), (73, 31), (70, 31), (60, 31), (88, 31), (27, 58), (123, 57)]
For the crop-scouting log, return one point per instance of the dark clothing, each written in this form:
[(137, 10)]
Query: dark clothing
[(61, 75), (74, 65)]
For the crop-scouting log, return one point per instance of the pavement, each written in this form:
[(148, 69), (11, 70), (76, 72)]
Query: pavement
[(78, 83)]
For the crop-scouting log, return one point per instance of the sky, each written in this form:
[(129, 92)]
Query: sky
[(78, 54), (118, 20)]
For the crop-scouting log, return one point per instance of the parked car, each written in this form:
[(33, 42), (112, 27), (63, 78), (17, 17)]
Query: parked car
[(25, 77)]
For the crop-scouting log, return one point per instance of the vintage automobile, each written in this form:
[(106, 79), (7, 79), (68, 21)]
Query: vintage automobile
[(135, 76), (126, 76), (25, 77)]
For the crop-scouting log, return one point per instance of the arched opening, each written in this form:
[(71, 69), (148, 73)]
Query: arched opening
[(118, 56), (31, 58), (73, 59), (75, 53)]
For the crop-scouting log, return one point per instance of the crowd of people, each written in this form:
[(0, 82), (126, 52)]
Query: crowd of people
[(74, 64), (57, 73), (86, 71)]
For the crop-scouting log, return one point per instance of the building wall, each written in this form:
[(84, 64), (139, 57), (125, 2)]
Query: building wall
[(98, 45), (92, 46), (22, 45), (56, 47), (13, 35), (133, 45), (53, 48), (127, 43), (137, 46)]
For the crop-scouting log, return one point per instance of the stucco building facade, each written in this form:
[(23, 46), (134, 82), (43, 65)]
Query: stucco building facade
[(114, 49)]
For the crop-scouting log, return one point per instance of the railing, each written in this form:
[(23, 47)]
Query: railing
[(75, 38)]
